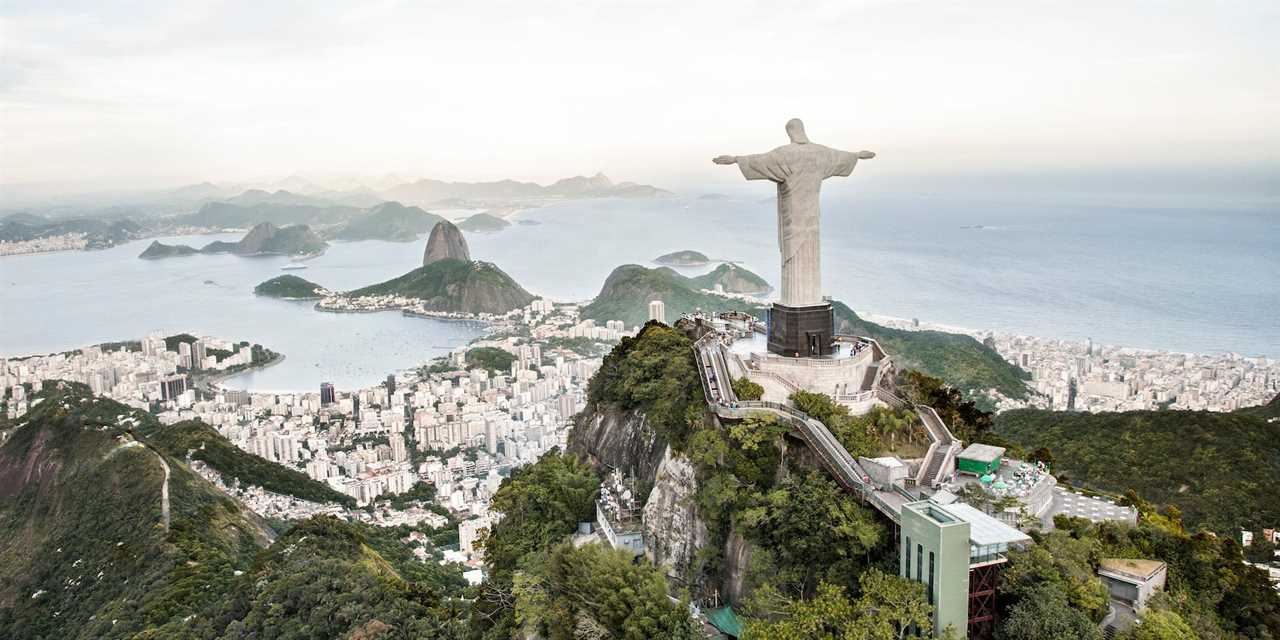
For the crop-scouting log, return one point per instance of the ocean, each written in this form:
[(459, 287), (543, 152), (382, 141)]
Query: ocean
[(1199, 276)]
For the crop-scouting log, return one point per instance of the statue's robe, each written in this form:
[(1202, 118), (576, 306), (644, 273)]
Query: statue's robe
[(799, 169)]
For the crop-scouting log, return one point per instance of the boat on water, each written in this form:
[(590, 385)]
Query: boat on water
[(293, 267)]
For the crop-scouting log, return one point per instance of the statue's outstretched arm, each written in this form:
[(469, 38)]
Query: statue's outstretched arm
[(725, 159)]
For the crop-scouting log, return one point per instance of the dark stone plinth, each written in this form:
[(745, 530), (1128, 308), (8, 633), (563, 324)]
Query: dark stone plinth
[(802, 331)]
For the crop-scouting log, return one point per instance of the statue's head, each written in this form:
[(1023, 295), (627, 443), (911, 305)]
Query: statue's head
[(795, 131)]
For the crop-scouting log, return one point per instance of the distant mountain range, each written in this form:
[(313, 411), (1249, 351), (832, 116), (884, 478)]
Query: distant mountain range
[(99, 233), (428, 191)]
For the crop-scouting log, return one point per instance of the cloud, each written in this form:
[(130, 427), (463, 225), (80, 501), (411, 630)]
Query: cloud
[(535, 90)]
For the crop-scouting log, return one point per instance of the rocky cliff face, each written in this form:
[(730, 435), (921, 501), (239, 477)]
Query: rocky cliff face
[(257, 238), (446, 242), (673, 532), (610, 439)]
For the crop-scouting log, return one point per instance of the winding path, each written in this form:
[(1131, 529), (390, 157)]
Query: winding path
[(164, 488), (714, 372), (164, 491)]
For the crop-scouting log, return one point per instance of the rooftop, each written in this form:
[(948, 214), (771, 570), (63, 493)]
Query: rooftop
[(1137, 569), (982, 452), (889, 461), (985, 530)]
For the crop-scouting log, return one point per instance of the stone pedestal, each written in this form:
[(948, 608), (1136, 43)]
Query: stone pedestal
[(803, 331)]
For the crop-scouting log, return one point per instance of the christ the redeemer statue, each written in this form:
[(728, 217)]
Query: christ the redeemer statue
[(799, 169)]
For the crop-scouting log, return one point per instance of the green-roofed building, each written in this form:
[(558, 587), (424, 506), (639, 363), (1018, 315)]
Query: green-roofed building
[(979, 459), (725, 621)]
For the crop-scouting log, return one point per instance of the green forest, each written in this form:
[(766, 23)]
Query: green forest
[(1219, 469)]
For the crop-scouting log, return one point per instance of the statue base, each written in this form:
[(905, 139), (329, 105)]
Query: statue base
[(801, 332)]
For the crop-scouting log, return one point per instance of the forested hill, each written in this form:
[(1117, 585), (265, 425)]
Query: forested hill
[(627, 291), (960, 360), (83, 549), (1221, 469), (455, 285), (1269, 410), (85, 552)]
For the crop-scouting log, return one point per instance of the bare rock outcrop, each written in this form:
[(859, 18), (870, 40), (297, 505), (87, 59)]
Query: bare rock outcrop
[(673, 532), (446, 243)]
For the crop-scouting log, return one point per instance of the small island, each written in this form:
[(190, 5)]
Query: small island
[(686, 258), (159, 250), (448, 282), (483, 223), (290, 287), (451, 285)]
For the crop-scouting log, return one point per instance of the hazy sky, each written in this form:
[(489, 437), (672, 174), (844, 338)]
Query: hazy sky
[(143, 93)]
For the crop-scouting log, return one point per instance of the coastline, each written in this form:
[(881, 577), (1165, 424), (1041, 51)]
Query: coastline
[(212, 383)]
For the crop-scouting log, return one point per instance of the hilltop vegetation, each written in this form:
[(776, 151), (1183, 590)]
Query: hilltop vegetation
[(628, 290), (455, 285), (205, 444), (541, 586), (290, 287), (1051, 589), (84, 552), (655, 373), (483, 223), (1219, 469), (816, 554), (961, 361), (685, 258), (490, 359), (732, 279)]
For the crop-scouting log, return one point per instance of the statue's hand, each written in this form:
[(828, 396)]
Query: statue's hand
[(724, 160), (865, 155)]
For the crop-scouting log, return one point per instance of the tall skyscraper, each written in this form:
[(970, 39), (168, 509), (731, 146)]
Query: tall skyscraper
[(658, 311), (355, 407), (173, 386), (398, 451), (198, 353), (391, 384), (153, 346), (326, 394)]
